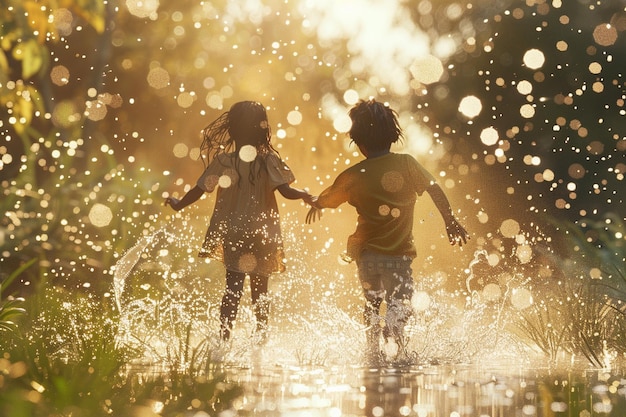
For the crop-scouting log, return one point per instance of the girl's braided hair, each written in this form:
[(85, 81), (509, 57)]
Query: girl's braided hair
[(374, 125)]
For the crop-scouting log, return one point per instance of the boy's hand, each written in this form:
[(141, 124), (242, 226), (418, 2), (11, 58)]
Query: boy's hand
[(456, 233), (313, 215)]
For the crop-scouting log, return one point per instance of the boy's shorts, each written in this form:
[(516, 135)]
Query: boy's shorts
[(391, 274)]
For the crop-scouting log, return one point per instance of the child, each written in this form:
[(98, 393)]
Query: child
[(244, 231), (383, 189)]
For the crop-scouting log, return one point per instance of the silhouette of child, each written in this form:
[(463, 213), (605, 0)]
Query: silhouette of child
[(383, 189), (244, 231)]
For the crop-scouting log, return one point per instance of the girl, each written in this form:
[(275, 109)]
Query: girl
[(244, 231)]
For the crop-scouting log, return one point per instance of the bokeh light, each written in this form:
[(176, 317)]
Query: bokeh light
[(470, 106)]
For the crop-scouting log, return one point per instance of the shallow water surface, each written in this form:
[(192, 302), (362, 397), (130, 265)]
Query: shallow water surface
[(440, 391)]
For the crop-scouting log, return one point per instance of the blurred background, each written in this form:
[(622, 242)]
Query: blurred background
[(517, 107)]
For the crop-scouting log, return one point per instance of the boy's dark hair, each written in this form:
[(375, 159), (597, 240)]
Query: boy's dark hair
[(374, 125)]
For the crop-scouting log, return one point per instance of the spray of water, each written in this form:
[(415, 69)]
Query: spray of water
[(168, 301)]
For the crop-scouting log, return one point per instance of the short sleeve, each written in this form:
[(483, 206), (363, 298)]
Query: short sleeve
[(278, 171), (210, 177), (420, 178), (338, 192)]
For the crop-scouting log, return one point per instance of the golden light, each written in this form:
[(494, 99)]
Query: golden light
[(534, 59), (489, 136), (524, 87), (521, 298), (605, 35), (427, 70), (420, 301), (509, 228), (470, 106), (342, 123), (100, 215)]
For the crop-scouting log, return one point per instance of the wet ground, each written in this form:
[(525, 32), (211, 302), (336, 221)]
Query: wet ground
[(438, 391)]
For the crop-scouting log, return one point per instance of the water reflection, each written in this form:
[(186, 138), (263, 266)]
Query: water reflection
[(428, 392)]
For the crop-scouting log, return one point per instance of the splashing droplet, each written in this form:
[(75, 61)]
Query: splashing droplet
[(420, 300), (521, 298)]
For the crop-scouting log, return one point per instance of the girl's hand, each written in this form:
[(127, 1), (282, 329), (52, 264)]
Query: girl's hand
[(309, 199), (172, 202)]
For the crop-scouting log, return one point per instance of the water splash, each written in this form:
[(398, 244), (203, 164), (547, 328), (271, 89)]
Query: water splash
[(127, 262), (169, 308)]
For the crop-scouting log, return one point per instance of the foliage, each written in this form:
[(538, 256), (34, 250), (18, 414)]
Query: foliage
[(60, 173), (10, 307), (25, 35), (73, 219), (65, 359), (573, 148), (581, 311)]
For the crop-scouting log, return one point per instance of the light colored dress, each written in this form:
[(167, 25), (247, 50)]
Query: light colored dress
[(244, 231)]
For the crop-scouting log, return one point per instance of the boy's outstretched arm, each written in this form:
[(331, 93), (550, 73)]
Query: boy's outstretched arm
[(456, 232), (191, 197), (332, 197)]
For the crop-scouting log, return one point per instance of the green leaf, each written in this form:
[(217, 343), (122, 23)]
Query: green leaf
[(4, 284), (32, 60), (4, 64)]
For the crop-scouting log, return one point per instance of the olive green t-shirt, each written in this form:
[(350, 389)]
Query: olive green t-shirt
[(383, 190)]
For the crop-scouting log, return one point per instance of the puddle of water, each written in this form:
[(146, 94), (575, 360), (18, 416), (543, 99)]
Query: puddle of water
[(311, 364), (428, 392)]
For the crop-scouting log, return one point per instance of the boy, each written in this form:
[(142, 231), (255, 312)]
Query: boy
[(383, 189)]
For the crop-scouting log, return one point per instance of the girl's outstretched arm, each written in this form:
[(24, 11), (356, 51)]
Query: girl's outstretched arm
[(291, 193), (191, 197), (456, 232)]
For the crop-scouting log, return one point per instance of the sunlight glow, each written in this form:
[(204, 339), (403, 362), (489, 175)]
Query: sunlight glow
[(382, 39), (309, 61), (143, 8)]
